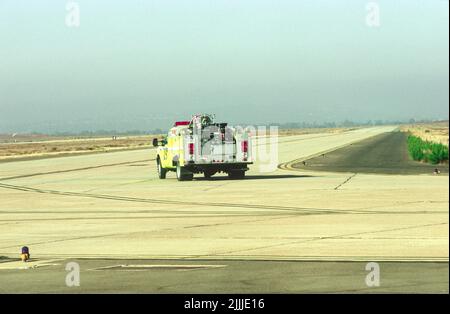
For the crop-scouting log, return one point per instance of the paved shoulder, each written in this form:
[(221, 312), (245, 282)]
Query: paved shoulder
[(385, 154)]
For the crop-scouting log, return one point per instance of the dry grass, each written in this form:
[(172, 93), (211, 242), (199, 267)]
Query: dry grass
[(51, 146), (437, 132)]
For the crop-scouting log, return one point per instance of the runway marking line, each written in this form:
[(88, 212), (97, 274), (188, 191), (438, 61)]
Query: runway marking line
[(137, 267)]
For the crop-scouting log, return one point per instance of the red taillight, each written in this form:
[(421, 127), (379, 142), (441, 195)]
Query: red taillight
[(180, 123), (191, 148), (244, 146)]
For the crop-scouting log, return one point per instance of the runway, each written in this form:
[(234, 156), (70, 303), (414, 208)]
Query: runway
[(106, 208)]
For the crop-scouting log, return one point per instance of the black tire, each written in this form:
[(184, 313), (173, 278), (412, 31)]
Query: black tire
[(209, 174), (183, 174), (161, 171), (236, 174)]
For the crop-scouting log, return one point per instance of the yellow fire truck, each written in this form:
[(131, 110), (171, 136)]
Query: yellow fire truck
[(201, 145)]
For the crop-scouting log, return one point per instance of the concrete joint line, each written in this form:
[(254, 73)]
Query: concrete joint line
[(346, 181)]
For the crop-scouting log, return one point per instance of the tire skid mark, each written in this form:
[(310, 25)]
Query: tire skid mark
[(170, 211), (412, 203), (175, 202), (299, 210), (150, 231), (116, 185), (74, 170), (339, 236), (191, 215)]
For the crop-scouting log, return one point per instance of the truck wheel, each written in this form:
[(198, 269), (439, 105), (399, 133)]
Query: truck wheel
[(183, 174), (209, 174), (161, 171), (236, 174)]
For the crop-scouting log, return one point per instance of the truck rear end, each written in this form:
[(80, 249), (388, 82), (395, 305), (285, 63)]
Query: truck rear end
[(209, 148)]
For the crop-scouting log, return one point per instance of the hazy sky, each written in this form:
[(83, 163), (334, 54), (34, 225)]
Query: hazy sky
[(142, 64)]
